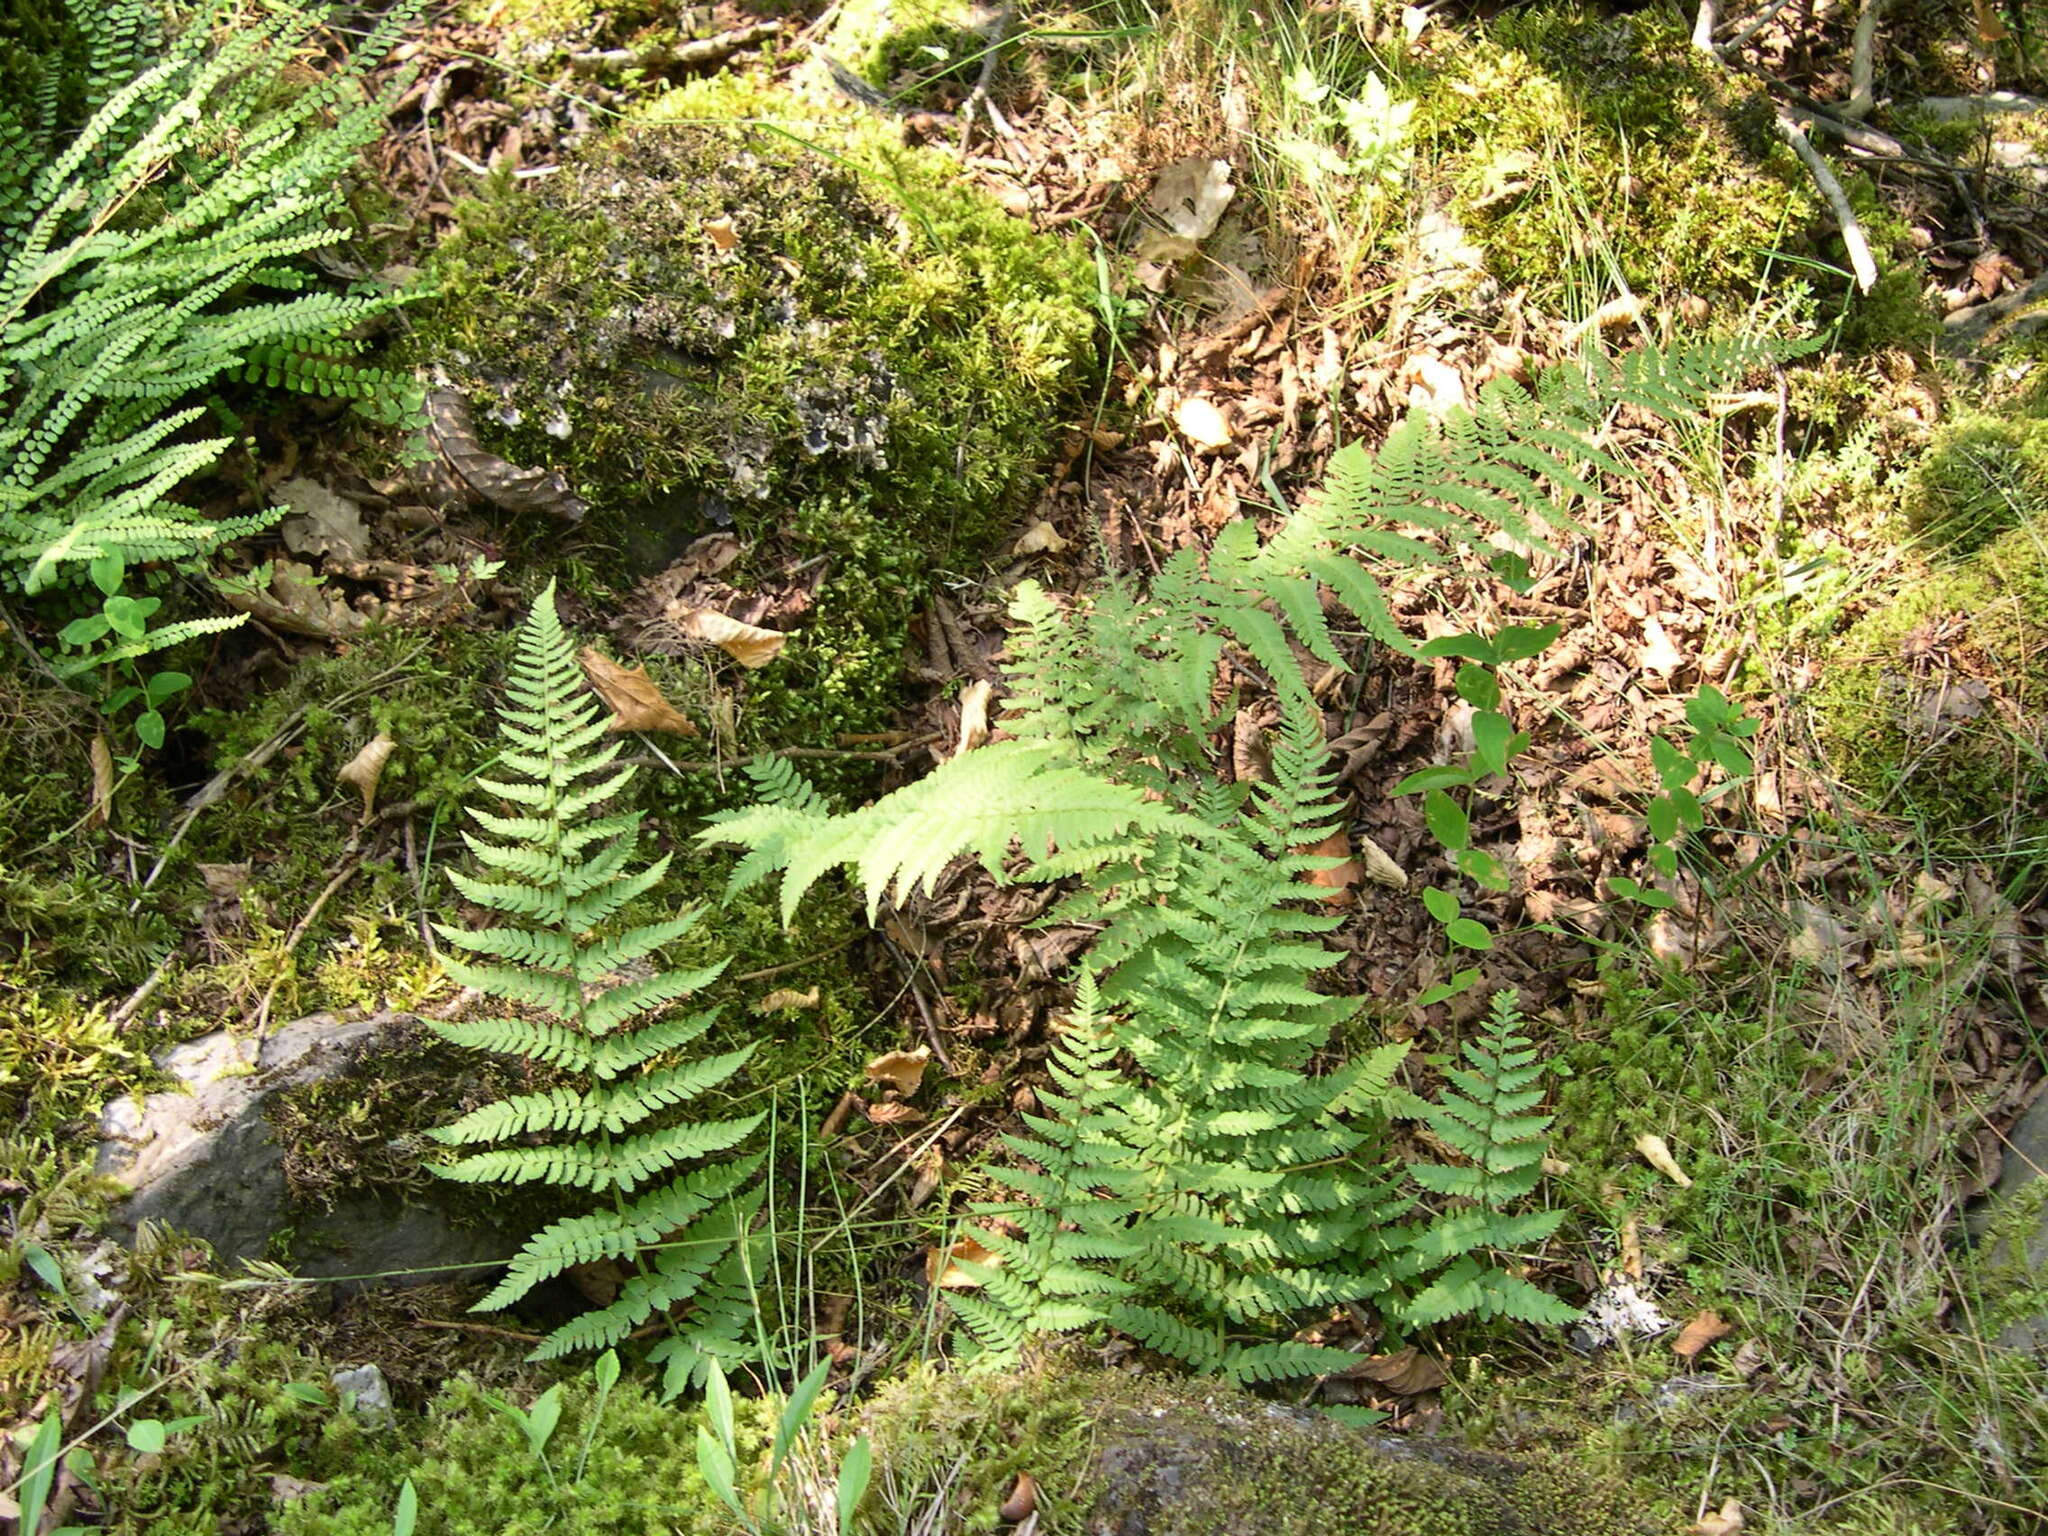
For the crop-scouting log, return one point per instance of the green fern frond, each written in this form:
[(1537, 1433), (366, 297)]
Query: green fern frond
[(561, 864)]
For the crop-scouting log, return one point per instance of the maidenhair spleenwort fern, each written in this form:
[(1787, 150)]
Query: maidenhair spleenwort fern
[(593, 1015), (1201, 1176), (159, 196)]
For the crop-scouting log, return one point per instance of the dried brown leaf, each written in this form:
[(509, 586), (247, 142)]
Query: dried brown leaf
[(974, 715), (496, 480), (1404, 1373), (722, 233), (1380, 867), (362, 771), (901, 1070), (1657, 1153), (635, 702), (748, 644), (787, 1000), (1726, 1522), (942, 1269), (1700, 1331)]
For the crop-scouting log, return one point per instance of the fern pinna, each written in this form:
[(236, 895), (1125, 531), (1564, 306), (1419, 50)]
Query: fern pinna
[(560, 867), (1196, 1181)]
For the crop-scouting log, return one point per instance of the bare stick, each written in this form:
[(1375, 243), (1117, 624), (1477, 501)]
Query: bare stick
[(1862, 95), (1704, 24), (305, 924), (1860, 259), (1763, 19)]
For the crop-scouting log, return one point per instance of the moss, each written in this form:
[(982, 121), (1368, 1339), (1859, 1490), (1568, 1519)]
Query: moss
[(1194, 1458), (864, 380), (627, 1467), (911, 50), (1553, 124), (1931, 705), (1982, 475)]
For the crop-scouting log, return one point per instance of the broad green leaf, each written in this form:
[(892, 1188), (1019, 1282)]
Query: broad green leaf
[(1447, 820), (1468, 934), (1442, 905)]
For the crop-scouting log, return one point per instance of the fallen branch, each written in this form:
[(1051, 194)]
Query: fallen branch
[(1862, 92), (1763, 19), (1860, 260)]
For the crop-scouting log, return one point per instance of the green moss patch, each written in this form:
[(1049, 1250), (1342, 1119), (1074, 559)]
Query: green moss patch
[(1569, 139), (624, 1465), (1931, 705), (808, 333)]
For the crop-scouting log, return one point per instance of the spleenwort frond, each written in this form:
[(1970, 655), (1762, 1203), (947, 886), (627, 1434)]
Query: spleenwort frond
[(158, 195), (559, 868)]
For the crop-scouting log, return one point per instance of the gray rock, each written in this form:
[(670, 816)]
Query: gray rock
[(206, 1160), (1233, 1466), (368, 1395), (2019, 1192)]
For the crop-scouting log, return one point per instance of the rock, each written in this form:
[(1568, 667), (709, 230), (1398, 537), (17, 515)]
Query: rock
[(2018, 1194), (368, 1395), (1230, 1465), (207, 1161), (1115, 1454)]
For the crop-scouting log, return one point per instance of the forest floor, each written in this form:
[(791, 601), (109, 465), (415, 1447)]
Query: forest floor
[(1829, 1026)]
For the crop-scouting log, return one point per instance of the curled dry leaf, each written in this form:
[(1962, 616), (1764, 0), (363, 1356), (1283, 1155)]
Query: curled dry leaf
[(1202, 422), (1657, 1154), (722, 233), (787, 1000), (321, 522), (891, 1113), (1725, 1522), (102, 757), (636, 703), (1404, 1373), (748, 644), (1380, 867), (901, 1070), (1022, 1502), (1700, 1331), (362, 771), (942, 1265), (1040, 538), (498, 481), (1658, 654), (974, 715)]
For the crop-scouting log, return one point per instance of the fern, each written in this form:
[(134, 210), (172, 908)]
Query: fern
[(158, 200), (1198, 1178), (1484, 1116), (562, 870)]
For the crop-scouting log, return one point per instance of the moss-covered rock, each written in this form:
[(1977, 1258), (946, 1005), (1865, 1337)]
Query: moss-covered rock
[(1573, 142), (1932, 705), (908, 50), (804, 331), (1113, 1455)]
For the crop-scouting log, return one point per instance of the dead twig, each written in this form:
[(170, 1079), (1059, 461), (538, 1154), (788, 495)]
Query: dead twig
[(992, 37), (456, 1325), (347, 872), (1860, 260)]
